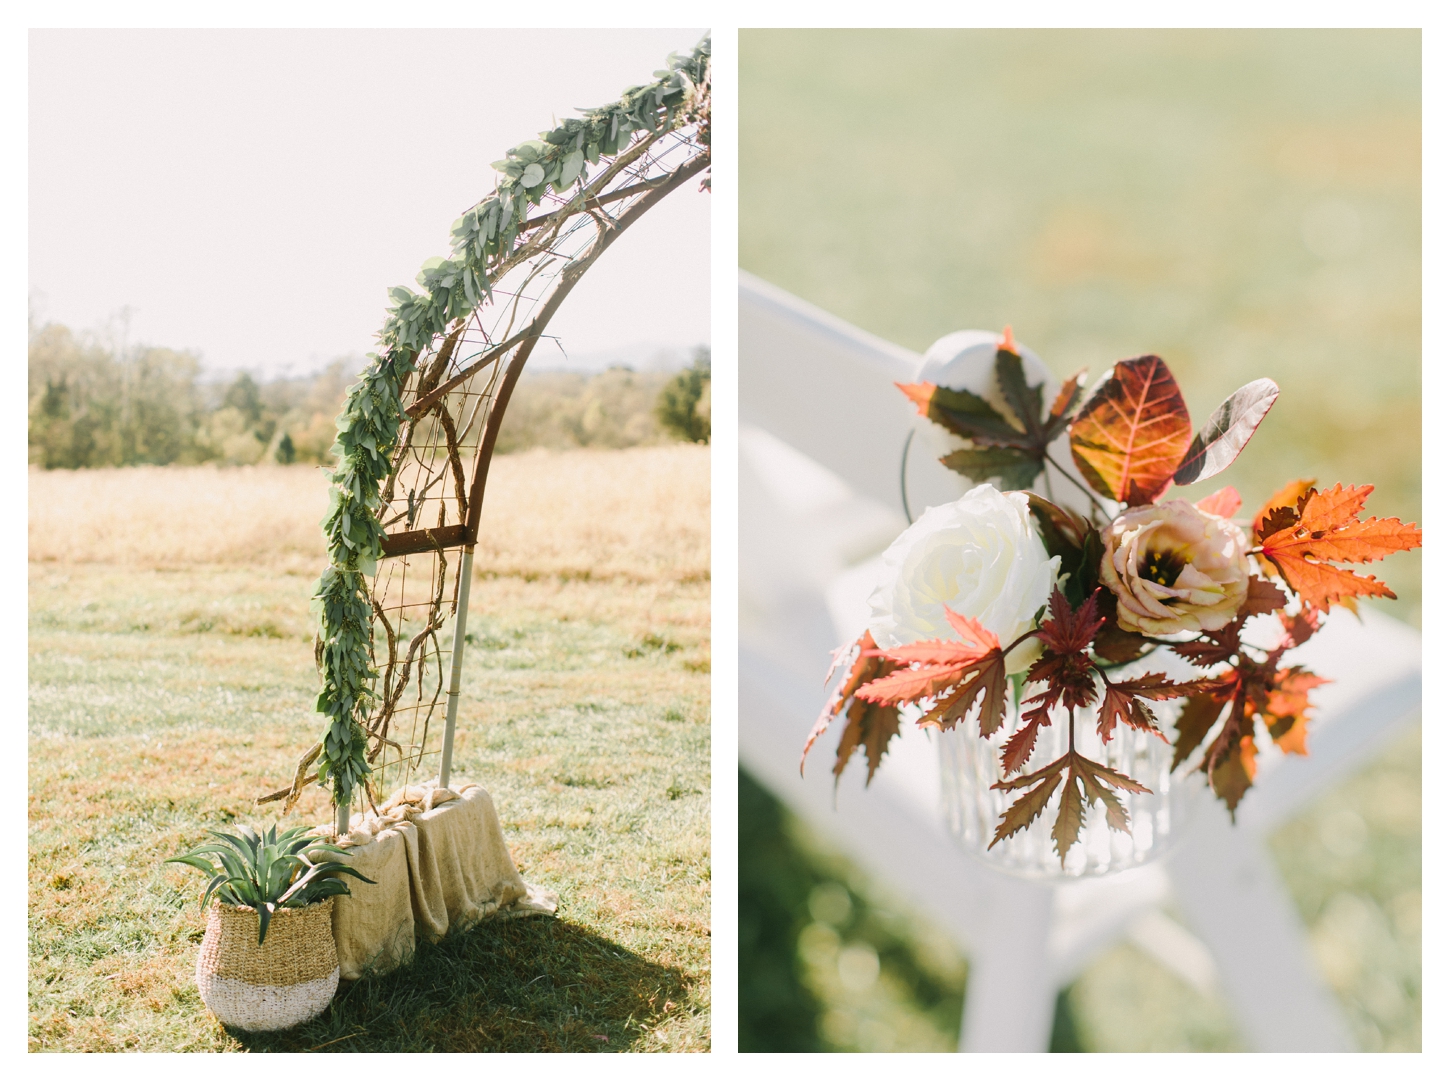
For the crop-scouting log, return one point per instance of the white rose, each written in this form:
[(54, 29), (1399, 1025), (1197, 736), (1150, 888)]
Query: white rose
[(982, 557)]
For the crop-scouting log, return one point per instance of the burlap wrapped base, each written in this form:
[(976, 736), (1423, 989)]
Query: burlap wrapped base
[(287, 980), (440, 864)]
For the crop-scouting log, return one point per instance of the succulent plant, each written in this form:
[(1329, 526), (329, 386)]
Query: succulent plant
[(268, 871)]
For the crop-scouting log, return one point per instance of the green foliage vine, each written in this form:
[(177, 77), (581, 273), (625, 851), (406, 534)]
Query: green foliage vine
[(484, 240)]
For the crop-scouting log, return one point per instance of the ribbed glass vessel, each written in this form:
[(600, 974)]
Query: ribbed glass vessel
[(970, 765)]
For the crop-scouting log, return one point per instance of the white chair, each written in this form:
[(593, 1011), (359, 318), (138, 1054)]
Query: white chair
[(822, 432)]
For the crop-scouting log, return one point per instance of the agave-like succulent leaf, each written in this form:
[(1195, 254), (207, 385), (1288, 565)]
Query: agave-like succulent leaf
[(264, 917), (263, 871), (216, 882), (191, 859)]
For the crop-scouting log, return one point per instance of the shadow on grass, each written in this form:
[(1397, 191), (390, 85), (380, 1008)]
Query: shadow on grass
[(512, 985)]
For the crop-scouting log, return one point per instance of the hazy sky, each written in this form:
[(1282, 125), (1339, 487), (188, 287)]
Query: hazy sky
[(252, 194)]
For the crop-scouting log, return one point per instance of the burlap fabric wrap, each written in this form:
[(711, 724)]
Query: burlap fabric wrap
[(440, 864), (287, 980)]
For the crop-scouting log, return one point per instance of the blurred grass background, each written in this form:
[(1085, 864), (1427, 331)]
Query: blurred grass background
[(1242, 203)]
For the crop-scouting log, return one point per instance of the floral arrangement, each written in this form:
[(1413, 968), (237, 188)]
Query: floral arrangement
[(1006, 591)]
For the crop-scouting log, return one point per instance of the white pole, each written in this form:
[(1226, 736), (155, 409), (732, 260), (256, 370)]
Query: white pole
[(455, 675)]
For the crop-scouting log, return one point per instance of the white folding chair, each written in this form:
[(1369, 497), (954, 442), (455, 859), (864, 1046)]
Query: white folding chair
[(822, 437)]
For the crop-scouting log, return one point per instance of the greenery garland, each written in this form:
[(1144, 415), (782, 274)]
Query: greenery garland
[(483, 242)]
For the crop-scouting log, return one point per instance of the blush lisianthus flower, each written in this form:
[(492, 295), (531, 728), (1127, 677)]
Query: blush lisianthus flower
[(980, 556), (1174, 567)]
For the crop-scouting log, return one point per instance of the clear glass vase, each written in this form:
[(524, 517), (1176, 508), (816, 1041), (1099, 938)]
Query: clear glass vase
[(970, 765)]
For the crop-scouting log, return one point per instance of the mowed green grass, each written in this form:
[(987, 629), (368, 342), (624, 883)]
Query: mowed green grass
[(1242, 203), (164, 701)]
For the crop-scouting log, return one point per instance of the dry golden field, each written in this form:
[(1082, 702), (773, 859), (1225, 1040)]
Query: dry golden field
[(641, 513), (171, 681)]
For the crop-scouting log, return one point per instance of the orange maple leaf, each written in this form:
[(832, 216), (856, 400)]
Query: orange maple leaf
[(1287, 496), (1325, 529)]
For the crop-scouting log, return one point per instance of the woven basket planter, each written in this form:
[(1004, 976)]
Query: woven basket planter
[(287, 980)]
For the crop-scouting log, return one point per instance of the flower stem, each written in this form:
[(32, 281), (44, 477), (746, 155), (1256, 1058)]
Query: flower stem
[(1093, 497)]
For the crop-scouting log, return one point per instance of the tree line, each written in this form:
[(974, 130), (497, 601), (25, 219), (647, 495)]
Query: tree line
[(93, 404)]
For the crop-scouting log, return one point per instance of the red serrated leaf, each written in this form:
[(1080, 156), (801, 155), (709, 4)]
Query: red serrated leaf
[(1298, 628), (972, 632), (867, 667), (1328, 531), (1018, 749), (1160, 688), (1069, 818), (989, 682), (1263, 597), (1211, 647), (940, 665), (870, 727), (1055, 766), (1069, 678), (1020, 815), (1199, 716), (1121, 706), (1224, 502), (1067, 631), (1234, 772), (909, 684), (1098, 793), (934, 651), (1131, 435), (1110, 776)]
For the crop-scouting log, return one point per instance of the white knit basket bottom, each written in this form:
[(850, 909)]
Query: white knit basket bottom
[(254, 1008)]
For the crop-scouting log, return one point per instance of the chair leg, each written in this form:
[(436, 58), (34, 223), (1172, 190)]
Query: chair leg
[(1010, 991), (1234, 900)]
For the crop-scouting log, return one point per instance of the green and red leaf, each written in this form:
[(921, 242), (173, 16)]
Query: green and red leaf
[(964, 414), (1015, 468), (1131, 435), (1227, 432)]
